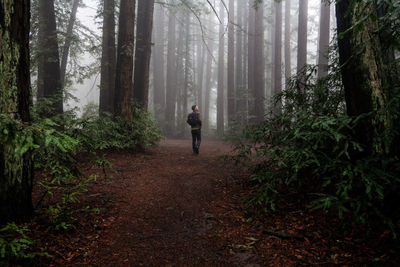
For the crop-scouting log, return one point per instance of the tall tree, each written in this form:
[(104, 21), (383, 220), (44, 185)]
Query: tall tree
[(231, 63), (200, 69), (221, 67), (67, 43), (278, 54), (180, 78), (250, 60), (288, 65), (143, 52), (108, 59), (16, 172), (323, 42), (49, 83), (171, 72), (158, 64), (209, 66), (124, 69), (362, 71), (259, 74), (240, 86), (302, 38), (187, 64)]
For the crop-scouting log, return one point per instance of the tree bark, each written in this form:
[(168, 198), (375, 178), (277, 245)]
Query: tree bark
[(259, 74), (200, 70), (250, 61), (158, 63), (143, 52), (108, 59), (363, 73), (187, 64), (68, 40), (16, 172), (288, 65), (209, 66), (323, 42), (221, 67), (302, 40), (49, 83), (231, 64), (278, 56), (124, 69), (171, 76), (240, 85)]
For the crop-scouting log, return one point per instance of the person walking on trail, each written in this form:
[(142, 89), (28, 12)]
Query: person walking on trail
[(195, 122)]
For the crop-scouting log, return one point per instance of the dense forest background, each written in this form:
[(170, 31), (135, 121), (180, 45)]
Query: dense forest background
[(307, 91)]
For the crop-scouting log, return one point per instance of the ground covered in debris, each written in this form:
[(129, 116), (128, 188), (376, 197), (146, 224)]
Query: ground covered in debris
[(167, 206)]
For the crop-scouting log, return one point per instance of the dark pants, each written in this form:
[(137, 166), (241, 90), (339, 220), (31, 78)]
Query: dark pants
[(196, 140)]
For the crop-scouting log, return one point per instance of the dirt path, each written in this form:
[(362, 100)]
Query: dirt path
[(167, 207)]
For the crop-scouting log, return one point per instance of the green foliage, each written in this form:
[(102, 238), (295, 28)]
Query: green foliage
[(108, 132), (310, 148), (15, 243)]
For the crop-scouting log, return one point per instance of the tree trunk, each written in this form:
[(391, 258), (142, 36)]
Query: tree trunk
[(67, 44), (323, 42), (200, 70), (49, 83), (259, 74), (231, 64), (278, 55), (221, 67), (16, 172), (187, 65), (209, 78), (159, 61), (302, 40), (171, 78), (363, 73), (108, 61), (240, 86), (143, 52), (180, 78), (124, 69), (250, 61), (288, 65)]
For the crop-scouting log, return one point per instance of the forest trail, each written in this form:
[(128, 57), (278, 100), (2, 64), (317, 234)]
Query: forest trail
[(168, 207)]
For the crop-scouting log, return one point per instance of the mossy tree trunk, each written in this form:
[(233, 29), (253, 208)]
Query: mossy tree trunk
[(363, 74), (15, 171)]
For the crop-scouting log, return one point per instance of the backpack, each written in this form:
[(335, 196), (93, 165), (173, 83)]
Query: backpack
[(192, 119)]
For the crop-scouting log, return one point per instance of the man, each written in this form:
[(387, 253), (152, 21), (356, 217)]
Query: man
[(195, 122)]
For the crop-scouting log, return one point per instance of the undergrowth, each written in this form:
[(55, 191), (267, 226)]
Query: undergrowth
[(54, 144), (308, 148)]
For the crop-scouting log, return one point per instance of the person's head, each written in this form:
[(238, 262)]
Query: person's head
[(195, 108)]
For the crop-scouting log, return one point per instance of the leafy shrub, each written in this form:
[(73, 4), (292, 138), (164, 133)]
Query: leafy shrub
[(308, 149), (15, 244), (106, 131)]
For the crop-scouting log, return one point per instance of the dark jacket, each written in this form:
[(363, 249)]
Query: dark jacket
[(198, 125)]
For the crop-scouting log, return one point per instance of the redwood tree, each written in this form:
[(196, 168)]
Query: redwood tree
[(259, 74), (16, 171), (231, 63), (221, 67), (143, 52), (49, 81), (171, 79), (124, 69), (362, 70), (323, 42), (108, 60)]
